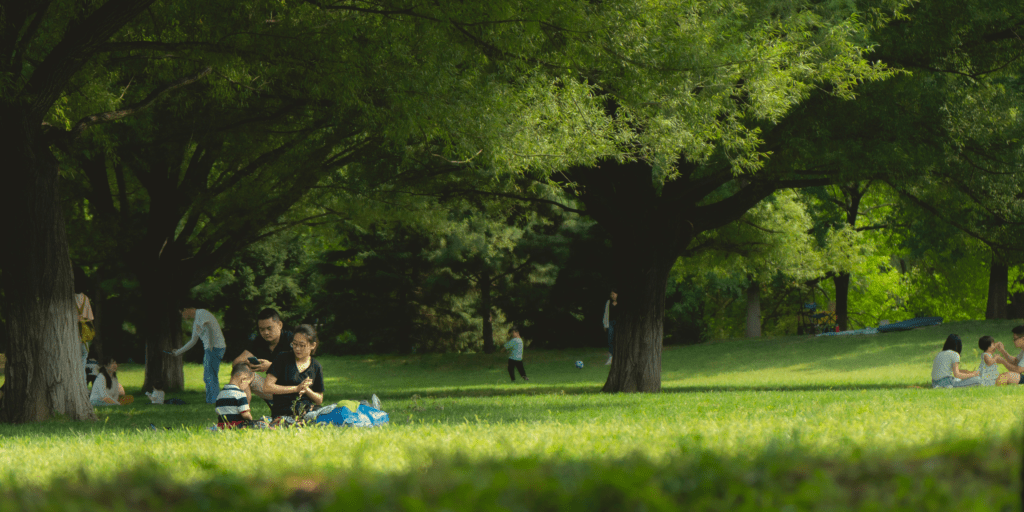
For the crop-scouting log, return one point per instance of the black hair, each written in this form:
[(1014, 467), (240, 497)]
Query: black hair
[(103, 370), (953, 343), (268, 314), (241, 369), (309, 332), (1019, 330), (513, 329), (985, 342)]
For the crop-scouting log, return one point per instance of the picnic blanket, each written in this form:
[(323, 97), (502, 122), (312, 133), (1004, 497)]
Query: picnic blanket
[(866, 330), (913, 323)]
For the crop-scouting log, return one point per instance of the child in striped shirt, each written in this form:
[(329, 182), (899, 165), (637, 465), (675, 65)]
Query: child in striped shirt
[(232, 405)]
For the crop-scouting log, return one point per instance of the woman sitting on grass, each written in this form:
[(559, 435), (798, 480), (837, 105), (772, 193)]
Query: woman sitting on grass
[(946, 367), (106, 390), (296, 380)]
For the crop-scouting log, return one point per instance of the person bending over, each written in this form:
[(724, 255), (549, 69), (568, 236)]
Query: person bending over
[(206, 327), (295, 379)]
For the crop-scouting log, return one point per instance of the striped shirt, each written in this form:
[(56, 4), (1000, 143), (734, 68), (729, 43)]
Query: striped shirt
[(204, 326), (231, 403)]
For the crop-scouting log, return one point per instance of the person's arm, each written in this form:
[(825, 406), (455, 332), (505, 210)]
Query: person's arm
[(1002, 350), (607, 314), (962, 375), (989, 360), (270, 386), (246, 414), (315, 391), (243, 358), (192, 342)]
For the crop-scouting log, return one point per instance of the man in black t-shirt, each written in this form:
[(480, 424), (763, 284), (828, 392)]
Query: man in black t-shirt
[(265, 345)]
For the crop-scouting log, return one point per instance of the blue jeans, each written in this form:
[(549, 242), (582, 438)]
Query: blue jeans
[(956, 383), (611, 337), (211, 366)]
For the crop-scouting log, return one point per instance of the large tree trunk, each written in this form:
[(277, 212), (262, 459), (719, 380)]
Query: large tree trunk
[(842, 282), (998, 291), (43, 375), (162, 329), (754, 310), (641, 279), (485, 311)]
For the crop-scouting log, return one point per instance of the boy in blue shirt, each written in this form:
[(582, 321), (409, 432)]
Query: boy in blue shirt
[(514, 347)]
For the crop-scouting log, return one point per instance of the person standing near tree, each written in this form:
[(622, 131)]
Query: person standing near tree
[(610, 314), (83, 308), (206, 327), (265, 346), (514, 346)]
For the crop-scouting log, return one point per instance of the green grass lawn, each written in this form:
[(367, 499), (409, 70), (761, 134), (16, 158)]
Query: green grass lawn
[(810, 423)]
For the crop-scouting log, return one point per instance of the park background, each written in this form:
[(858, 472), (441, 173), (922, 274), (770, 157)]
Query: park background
[(414, 179)]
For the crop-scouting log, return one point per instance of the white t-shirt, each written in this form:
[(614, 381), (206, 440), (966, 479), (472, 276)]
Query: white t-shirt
[(943, 365), (100, 391), (204, 326)]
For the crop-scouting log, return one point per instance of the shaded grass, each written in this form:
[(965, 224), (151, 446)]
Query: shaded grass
[(832, 409)]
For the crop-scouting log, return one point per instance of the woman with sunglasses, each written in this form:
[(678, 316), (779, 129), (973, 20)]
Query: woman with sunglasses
[(296, 379)]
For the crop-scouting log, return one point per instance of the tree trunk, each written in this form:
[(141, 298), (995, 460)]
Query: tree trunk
[(641, 279), (998, 286), (43, 375), (754, 310), (162, 330), (1016, 308), (842, 282), (485, 311)]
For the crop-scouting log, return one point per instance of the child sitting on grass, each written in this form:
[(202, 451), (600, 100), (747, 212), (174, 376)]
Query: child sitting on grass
[(514, 347), (988, 369), (232, 404)]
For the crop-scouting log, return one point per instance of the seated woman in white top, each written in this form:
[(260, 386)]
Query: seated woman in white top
[(946, 371), (106, 390)]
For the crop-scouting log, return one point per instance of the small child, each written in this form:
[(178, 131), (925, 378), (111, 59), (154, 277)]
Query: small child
[(514, 347), (232, 405), (988, 369)]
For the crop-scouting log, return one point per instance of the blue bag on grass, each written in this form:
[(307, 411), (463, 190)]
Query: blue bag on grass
[(363, 416)]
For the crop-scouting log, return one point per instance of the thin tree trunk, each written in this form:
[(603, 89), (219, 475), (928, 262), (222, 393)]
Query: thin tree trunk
[(842, 282), (43, 375), (754, 310), (485, 311), (998, 286)]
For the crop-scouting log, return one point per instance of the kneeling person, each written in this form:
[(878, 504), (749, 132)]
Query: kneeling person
[(232, 404)]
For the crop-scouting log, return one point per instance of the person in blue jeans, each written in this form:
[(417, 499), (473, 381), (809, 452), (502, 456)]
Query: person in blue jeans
[(206, 327), (610, 313), (946, 372)]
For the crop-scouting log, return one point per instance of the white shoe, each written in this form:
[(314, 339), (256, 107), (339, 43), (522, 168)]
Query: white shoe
[(609, 361)]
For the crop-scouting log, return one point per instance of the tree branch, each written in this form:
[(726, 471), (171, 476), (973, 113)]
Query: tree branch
[(114, 115)]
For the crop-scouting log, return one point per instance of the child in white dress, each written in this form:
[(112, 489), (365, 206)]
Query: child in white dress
[(988, 368)]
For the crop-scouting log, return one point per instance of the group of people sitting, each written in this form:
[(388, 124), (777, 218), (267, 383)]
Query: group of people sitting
[(946, 371), (274, 364)]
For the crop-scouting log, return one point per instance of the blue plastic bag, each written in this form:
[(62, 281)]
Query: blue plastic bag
[(364, 416)]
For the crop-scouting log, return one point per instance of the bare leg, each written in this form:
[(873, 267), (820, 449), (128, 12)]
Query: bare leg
[(1008, 378)]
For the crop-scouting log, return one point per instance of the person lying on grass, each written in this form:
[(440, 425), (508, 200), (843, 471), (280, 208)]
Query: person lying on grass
[(1013, 363), (106, 390), (296, 379), (232, 401), (946, 367)]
